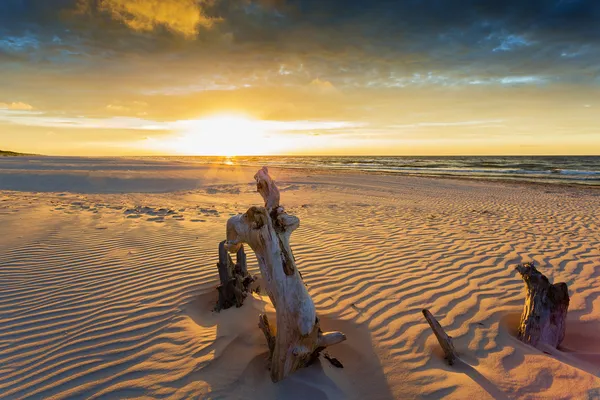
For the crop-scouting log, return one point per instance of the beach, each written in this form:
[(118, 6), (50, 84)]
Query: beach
[(108, 276)]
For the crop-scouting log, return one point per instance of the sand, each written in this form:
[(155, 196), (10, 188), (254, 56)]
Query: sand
[(108, 275)]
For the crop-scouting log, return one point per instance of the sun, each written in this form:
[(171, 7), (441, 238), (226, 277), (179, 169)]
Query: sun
[(232, 135), (222, 135)]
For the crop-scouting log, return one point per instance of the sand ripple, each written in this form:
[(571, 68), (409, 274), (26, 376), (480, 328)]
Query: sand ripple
[(98, 305)]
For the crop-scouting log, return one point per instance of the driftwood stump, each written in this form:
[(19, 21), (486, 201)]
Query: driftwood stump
[(235, 280), (444, 340), (543, 322), (297, 339)]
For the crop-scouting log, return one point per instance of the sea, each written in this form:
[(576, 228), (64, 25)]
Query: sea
[(582, 170)]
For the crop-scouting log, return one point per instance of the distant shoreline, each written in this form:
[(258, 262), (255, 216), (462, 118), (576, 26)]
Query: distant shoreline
[(4, 153), (145, 175)]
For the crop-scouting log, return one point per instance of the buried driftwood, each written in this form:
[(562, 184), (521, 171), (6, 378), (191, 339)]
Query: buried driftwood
[(457, 363), (544, 319), (235, 280), (297, 339), (442, 337)]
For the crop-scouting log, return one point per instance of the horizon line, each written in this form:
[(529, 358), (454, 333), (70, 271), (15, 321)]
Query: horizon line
[(20, 154)]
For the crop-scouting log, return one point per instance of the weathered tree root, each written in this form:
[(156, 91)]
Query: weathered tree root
[(544, 318), (297, 339), (235, 280), (263, 324)]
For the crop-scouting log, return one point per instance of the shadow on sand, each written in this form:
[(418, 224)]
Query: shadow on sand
[(238, 368), (579, 349)]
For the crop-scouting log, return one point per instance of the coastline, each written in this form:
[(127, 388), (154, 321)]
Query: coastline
[(178, 168)]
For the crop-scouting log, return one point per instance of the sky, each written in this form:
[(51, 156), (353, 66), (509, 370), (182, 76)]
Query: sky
[(363, 77)]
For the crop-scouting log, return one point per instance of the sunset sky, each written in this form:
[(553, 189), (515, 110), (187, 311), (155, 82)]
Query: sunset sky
[(132, 77)]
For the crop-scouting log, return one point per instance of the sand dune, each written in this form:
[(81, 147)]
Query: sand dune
[(109, 295)]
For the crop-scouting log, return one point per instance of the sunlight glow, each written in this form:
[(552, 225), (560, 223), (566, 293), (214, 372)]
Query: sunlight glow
[(222, 135), (235, 135)]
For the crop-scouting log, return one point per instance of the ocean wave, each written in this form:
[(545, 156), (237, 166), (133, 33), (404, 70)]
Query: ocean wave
[(567, 169)]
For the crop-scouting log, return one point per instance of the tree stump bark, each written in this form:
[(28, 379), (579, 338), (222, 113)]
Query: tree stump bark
[(235, 280), (543, 321), (297, 339)]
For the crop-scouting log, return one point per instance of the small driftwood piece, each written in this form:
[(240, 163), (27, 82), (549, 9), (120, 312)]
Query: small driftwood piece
[(297, 339), (235, 280), (442, 337), (457, 363), (544, 318)]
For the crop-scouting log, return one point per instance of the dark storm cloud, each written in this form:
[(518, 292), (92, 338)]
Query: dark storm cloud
[(347, 43), (575, 17), (466, 33), (387, 21)]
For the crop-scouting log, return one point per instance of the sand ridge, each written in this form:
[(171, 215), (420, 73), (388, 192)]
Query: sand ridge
[(109, 295)]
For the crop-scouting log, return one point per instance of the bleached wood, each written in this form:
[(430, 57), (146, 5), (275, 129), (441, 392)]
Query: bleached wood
[(267, 230), (543, 321), (327, 339), (444, 340), (267, 188)]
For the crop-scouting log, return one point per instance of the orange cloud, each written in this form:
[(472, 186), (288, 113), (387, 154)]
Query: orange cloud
[(183, 17), (128, 108), (16, 106), (322, 85)]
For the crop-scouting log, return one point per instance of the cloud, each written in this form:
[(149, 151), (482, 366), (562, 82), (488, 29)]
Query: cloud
[(291, 126), (42, 120), (447, 124), (17, 44), (322, 85), (490, 122), (365, 45), (183, 17), (453, 80), (137, 107), (115, 107), (188, 89), (39, 119), (284, 71), (510, 42), (511, 80), (18, 106)]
